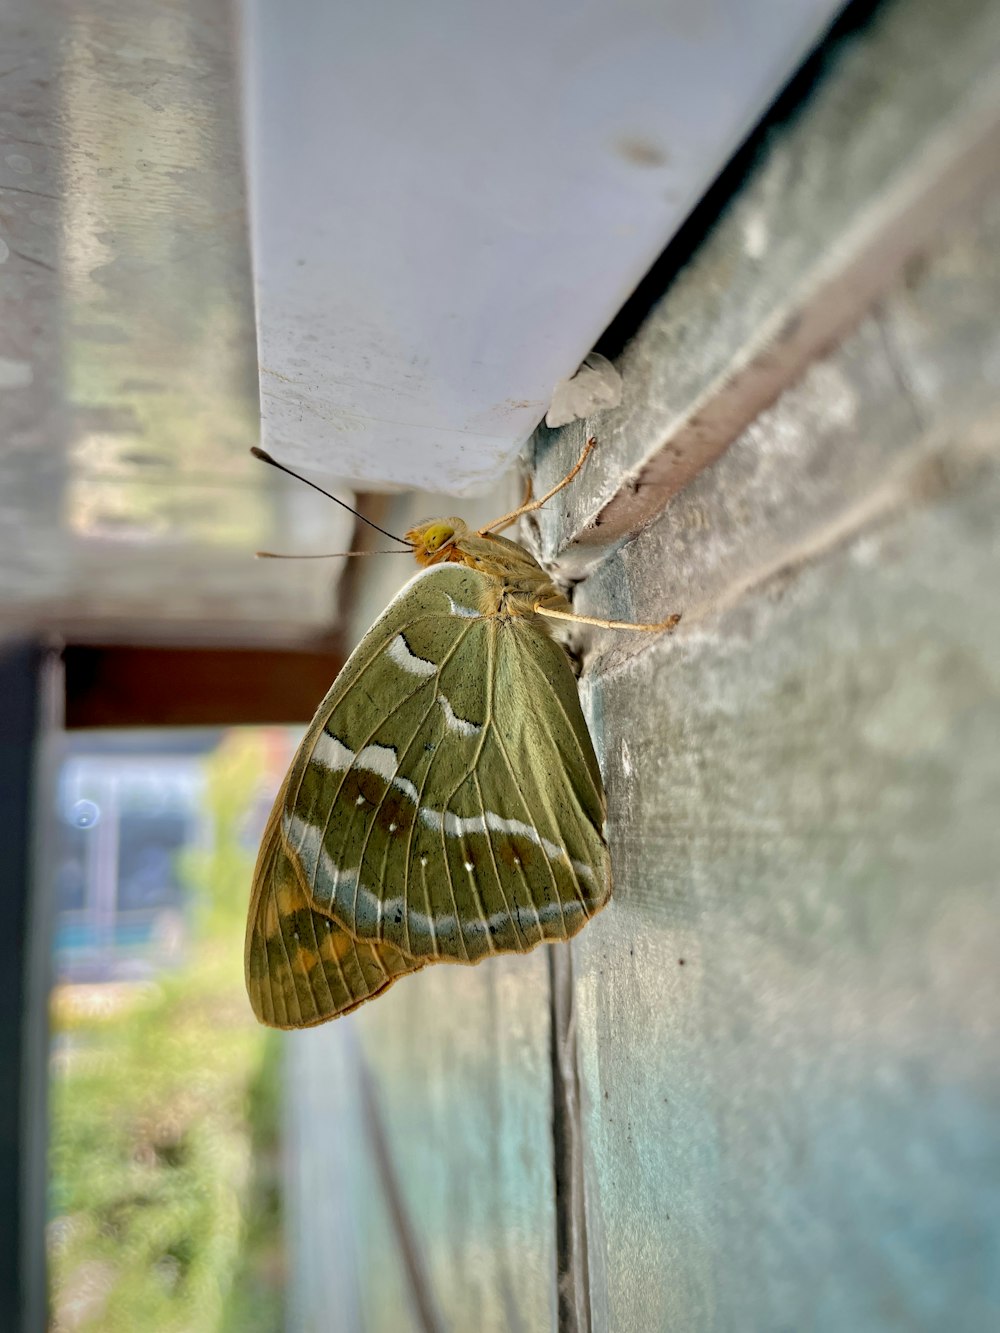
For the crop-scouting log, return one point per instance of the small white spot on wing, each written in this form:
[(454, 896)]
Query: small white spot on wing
[(371, 904), (456, 827)]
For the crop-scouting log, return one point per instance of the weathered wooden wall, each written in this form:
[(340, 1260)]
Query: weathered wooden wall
[(785, 1025)]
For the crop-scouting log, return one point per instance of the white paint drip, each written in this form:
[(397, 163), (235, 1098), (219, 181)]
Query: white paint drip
[(595, 387), (755, 234)]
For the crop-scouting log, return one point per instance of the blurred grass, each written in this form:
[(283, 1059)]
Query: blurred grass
[(164, 1152)]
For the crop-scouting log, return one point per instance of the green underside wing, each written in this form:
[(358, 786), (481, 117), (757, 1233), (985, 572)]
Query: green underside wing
[(445, 805)]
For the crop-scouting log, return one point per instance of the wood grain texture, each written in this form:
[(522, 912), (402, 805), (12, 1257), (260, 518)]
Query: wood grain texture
[(459, 1065)]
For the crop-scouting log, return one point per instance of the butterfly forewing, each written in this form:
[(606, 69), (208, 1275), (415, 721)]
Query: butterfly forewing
[(446, 802)]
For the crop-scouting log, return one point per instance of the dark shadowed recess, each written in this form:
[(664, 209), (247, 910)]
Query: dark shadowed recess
[(22, 1032)]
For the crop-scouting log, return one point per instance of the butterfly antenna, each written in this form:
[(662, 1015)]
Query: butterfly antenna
[(266, 458), (326, 555)]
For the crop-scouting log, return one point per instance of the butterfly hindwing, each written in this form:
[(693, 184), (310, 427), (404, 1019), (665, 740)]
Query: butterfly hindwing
[(446, 802), (302, 968)]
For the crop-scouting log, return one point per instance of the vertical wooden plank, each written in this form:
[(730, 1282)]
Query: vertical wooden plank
[(460, 1063), (421, 1156), (571, 1257), (348, 1274)]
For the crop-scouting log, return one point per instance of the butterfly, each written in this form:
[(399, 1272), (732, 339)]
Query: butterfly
[(445, 804)]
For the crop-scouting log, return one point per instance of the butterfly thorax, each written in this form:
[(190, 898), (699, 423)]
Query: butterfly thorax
[(517, 582)]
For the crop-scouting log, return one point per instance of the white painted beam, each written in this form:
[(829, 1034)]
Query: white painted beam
[(451, 200)]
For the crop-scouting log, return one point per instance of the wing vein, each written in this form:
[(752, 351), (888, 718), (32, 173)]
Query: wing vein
[(470, 771), (569, 724), (340, 785), (451, 890), (305, 757), (515, 921), (517, 787), (363, 854), (326, 712), (288, 964), (322, 967), (437, 682), (583, 822)]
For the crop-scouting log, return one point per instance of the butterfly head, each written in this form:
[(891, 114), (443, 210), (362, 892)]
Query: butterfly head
[(434, 541)]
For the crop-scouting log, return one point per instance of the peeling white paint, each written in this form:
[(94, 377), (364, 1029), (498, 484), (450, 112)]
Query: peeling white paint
[(595, 387)]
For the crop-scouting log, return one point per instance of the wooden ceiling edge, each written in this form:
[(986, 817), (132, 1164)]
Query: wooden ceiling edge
[(152, 685), (110, 632)]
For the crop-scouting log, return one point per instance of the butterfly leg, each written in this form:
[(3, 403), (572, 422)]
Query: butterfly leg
[(659, 627), (529, 507), (525, 503)]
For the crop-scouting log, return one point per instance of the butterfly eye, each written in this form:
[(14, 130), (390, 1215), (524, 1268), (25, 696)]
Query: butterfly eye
[(436, 536)]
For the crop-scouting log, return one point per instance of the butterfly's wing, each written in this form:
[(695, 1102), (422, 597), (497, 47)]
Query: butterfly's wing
[(302, 968), (447, 801)]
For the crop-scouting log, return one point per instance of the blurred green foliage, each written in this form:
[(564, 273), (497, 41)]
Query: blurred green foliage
[(165, 1203)]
